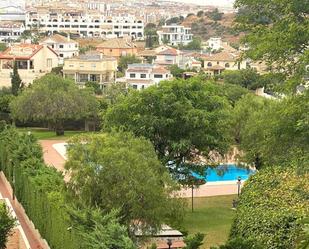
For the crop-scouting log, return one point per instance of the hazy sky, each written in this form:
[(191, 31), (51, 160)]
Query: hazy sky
[(209, 2)]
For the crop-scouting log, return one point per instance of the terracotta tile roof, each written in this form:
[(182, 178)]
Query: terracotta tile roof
[(22, 51), (58, 39), (11, 24), (215, 67), (170, 51), (222, 56), (147, 52), (160, 70), (117, 43)]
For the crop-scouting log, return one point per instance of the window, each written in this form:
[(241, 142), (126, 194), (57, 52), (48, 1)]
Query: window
[(158, 76), (132, 75), (209, 64), (71, 65), (81, 65), (49, 62), (110, 50), (134, 86), (143, 76), (61, 55), (93, 65), (217, 62), (143, 87), (60, 46), (227, 65)]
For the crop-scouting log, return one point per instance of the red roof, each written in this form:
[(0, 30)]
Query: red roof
[(22, 51), (170, 51)]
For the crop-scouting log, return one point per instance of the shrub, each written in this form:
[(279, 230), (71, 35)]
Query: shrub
[(272, 204)]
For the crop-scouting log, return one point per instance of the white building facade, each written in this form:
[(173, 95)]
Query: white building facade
[(85, 25), (141, 76), (175, 35), (63, 46), (11, 31)]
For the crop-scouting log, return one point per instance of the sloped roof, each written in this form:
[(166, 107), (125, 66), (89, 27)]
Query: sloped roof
[(58, 39), (117, 43), (22, 51), (170, 51), (222, 56)]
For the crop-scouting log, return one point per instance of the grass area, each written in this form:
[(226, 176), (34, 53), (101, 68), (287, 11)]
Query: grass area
[(212, 216), (45, 134)]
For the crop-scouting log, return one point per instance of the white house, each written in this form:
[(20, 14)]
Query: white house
[(214, 43), (140, 76), (175, 34), (63, 46)]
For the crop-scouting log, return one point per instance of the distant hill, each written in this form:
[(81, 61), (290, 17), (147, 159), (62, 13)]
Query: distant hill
[(204, 26)]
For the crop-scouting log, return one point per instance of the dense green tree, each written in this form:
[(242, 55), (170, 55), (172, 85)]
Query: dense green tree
[(271, 208), (124, 61), (95, 86), (240, 243), (277, 32), (176, 71), (215, 15), (54, 100), (195, 44), (2, 46), (182, 118), (247, 78), (194, 241), (99, 230), (5, 101), (7, 223), (275, 133), (119, 171), (16, 81), (200, 13)]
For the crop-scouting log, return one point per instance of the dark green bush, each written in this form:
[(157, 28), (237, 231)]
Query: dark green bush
[(271, 206)]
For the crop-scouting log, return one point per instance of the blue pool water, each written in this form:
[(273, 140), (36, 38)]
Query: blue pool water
[(225, 173)]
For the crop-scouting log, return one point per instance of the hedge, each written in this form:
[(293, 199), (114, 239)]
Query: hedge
[(271, 207), (40, 189)]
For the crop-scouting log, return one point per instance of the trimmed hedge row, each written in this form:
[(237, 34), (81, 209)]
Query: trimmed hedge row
[(271, 207), (40, 189)]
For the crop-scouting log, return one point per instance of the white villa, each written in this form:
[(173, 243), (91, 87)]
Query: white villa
[(140, 76), (63, 46), (175, 34)]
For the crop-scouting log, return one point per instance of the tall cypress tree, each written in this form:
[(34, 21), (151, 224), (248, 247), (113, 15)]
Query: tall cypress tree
[(16, 80)]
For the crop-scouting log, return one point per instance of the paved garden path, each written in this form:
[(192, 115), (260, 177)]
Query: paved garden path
[(34, 239)]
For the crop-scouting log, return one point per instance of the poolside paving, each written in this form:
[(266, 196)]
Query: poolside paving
[(53, 158)]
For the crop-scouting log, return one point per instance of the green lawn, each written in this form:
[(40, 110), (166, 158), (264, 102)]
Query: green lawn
[(212, 216), (45, 134)]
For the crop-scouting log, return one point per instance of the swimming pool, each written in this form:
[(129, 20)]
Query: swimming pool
[(229, 172)]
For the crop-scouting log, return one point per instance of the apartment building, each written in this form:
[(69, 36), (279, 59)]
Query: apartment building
[(92, 66), (63, 46), (141, 76), (84, 24), (33, 61), (175, 34), (11, 31)]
